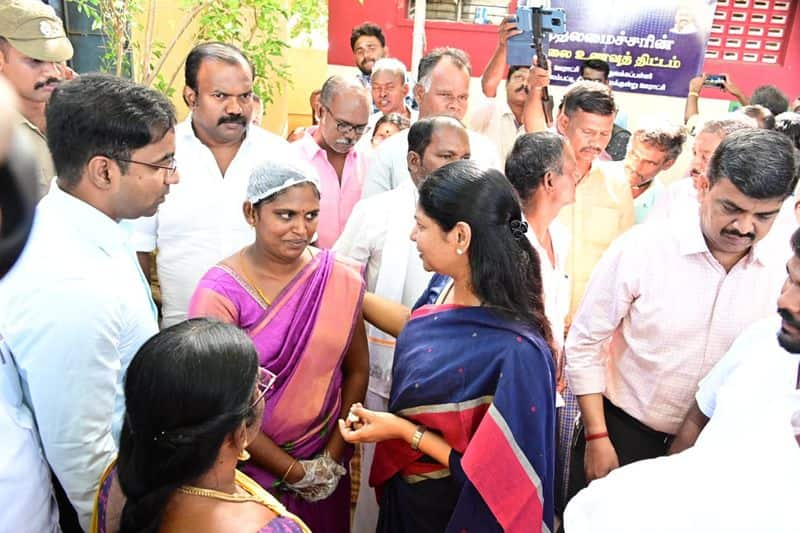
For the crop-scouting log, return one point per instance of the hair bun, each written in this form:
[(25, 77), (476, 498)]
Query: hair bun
[(518, 228)]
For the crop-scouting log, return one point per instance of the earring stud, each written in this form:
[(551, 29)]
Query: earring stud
[(459, 251)]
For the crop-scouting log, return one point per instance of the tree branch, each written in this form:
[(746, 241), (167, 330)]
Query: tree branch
[(186, 22), (148, 39)]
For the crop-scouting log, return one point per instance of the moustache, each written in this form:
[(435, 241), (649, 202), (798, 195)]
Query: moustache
[(521, 89), (788, 318), (732, 233), (345, 141), (48, 81), (232, 119)]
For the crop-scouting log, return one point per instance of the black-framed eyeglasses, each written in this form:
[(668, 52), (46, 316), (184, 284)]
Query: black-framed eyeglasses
[(345, 127), (265, 382), (169, 168)]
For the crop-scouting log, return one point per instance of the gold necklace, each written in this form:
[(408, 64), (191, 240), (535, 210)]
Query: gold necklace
[(219, 495), (249, 281)]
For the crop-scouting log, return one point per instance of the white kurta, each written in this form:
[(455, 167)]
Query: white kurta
[(742, 473), (378, 235)]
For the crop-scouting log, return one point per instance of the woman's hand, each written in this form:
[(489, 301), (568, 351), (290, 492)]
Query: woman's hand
[(363, 425)]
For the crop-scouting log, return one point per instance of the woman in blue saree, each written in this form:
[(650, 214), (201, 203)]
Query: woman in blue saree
[(469, 442)]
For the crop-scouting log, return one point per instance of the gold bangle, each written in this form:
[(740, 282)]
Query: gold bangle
[(694, 93), (288, 470), (417, 437)]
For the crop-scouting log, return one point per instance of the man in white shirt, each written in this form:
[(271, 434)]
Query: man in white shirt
[(76, 306), (743, 415), (654, 147), (25, 486), (201, 222), (542, 169), (442, 89), (682, 195), (378, 235), (501, 118), (389, 88), (666, 302)]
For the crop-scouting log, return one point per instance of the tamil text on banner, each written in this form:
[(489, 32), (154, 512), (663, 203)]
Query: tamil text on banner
[(653, 47)]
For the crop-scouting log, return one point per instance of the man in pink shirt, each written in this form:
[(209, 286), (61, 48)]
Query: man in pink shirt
[(667, 300), (331, 149)]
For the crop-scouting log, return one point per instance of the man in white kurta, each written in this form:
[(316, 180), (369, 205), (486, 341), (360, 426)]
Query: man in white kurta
[(216, 147), (378, 235)]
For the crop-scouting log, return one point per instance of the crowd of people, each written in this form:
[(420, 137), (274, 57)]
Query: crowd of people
[(403, 320)]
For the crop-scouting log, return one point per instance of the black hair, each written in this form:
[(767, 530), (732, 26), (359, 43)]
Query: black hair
[(224, 52), (770, 97), (533, 156), (366, 29), (397, 119), (513, 68), (432, 58), (100, 114), (764, 117), (18, 196), (760, 163), (788, 123), (421, 132), (795, 242), (666, 136), (505, 270), (590, 97), (597, 64), (186, 390)]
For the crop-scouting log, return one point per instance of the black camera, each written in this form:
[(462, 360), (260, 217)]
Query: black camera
[(533, 21)]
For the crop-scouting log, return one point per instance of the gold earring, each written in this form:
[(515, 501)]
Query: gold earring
[(243, 456)]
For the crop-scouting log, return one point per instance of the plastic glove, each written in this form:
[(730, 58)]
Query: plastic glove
[(321, 478)]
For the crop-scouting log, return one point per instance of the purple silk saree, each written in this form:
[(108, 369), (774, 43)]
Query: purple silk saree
[(302, 338)]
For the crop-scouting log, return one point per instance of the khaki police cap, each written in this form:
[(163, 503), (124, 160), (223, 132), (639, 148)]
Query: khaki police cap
[(33, 28)]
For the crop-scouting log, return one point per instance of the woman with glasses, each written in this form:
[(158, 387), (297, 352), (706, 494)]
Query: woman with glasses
[(301, 306), (468, 443), (194, 397)]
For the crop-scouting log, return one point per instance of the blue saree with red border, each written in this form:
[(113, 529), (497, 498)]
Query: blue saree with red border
[(486, 384)]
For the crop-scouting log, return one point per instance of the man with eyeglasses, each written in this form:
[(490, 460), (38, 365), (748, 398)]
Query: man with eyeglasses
[(76, 307), (652, 149), (667, 300), (739, 456), (331, 149), (33, 49), (216, 148)]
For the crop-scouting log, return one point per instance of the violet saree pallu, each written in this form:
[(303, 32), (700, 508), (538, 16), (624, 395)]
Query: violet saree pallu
[(302, 338), (487, 385)]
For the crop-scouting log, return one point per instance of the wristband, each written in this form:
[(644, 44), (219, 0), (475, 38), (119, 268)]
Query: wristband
[(417, 437), (595, 436), (694, 93)]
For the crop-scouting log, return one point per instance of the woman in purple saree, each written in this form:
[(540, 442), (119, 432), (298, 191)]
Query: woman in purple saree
[(302, 309)]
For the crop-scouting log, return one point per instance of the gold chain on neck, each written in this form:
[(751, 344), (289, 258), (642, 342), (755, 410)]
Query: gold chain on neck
[(249, 281), (219, 495)]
